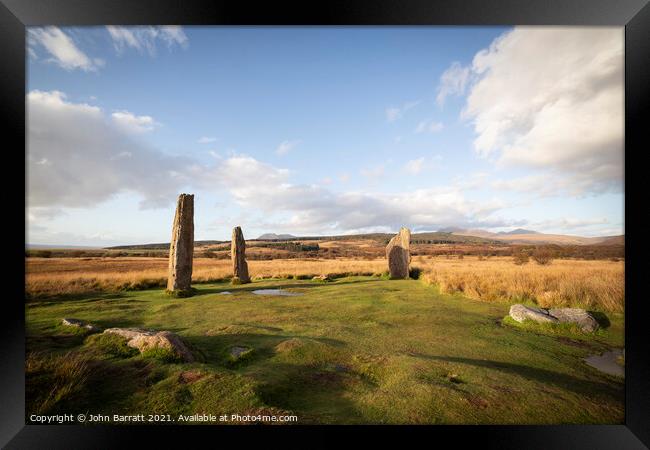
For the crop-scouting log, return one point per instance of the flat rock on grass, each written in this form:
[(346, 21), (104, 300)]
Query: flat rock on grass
[(149, 339), (322, 278), (238, 352), (520, 313), (79, 324), (580, 317)]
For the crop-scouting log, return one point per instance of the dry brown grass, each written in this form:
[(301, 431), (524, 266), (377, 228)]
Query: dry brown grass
[(63, 276), (590, 284), (587, 284)]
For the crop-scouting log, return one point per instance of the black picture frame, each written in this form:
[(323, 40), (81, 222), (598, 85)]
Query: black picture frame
[(15, 15)]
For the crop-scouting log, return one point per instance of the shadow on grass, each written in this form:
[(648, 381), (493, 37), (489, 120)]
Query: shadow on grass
[(82, 298), (316, 394), (601, 318), (275, 284), (214, 349), (564, 381)]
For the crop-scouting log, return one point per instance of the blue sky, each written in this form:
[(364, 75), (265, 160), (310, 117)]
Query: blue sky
[(317, 131)]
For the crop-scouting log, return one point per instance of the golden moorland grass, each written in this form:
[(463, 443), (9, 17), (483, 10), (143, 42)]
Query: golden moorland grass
[(63, 276), (597, 284)]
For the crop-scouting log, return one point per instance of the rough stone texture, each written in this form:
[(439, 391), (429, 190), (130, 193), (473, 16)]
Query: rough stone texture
[(398, 254), (238, 256), (582, 318), (520, 313), (79, 324), (181, 249), (148, 339)]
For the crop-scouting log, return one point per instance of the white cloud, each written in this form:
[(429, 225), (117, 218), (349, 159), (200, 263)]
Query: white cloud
[(551, 99), (414, 166), (206, 140), (394, 113), (62, 49), (429, 126), (373, 172), (453, 81), (313, 208), (145, 38), (90, 158), (286, 146), (132, 123)]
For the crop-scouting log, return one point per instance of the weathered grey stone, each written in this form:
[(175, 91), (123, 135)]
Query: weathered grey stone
[(143, 340), (582, 318), (579, 316), (237, 351), (238, 256), (520, 313), (181, 249), (79, 324), (398, 254)]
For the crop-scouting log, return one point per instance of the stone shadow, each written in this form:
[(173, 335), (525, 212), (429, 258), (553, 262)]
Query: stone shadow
[(577, 385)]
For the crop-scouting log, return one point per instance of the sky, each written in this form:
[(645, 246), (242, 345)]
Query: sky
[(322, 130)]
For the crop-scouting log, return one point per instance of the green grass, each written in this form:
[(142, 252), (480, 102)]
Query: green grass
[(354, 350)]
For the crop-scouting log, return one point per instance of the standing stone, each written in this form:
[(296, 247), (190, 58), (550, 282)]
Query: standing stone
[(238, 256), (399, 255), (181, 249)]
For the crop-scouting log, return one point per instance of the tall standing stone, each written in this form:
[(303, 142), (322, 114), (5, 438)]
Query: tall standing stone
[(398, 254), (181, 249), (238, 256)]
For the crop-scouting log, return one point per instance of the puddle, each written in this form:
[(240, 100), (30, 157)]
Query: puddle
[(608, 362), (280, 292), (225, 293)]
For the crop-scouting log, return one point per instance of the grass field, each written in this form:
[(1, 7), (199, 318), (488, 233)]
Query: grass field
[(357, 350), (598, 284)]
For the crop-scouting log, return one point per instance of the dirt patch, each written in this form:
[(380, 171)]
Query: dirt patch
[(288, 345), (190, 376), (325, 377), (477, 402), (574, 342)]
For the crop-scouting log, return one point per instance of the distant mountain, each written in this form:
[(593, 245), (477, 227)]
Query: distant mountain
[(519, 231), (275, 237), (521, 236), (449, 229), (60, 247), (612, 240)]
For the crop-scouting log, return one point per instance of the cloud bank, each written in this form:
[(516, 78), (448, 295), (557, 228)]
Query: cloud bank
[(62, 49), (146, 39), (551, 100), (79, 156)]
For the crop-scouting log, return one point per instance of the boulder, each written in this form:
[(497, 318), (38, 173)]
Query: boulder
[(181, 248), (520, 313), (398, 254), (143, 340), (582, 318), (238, 256), (79, 324)]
